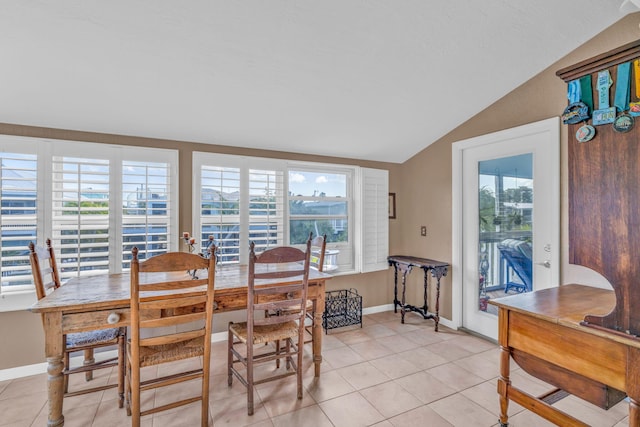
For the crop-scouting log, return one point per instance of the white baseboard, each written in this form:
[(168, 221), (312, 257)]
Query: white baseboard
[(41, 368)]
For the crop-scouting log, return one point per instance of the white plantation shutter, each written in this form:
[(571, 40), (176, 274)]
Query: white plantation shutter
[(239, 199), (218, 209), (375, 219), (95, 202), (18, 222), (80, 215), (266, 206), (146, 214)]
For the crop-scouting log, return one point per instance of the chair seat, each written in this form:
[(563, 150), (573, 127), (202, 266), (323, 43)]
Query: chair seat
[(296, 307), (265, 333), (154, 355), (80, 339)]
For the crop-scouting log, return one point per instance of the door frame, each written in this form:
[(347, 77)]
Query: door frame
[(548, 127)]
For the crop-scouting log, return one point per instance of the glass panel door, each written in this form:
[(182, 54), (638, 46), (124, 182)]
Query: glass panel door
[(505, 213)]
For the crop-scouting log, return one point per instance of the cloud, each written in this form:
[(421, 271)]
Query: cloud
[(296, 177), (321, 179)]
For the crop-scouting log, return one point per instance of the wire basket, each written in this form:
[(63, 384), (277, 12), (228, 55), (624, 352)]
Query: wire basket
[(342, 308)]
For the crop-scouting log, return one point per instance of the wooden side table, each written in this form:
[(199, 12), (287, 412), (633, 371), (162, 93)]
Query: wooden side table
[(405, 264)]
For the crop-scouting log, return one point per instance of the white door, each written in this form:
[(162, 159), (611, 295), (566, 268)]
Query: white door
[(506, 215)]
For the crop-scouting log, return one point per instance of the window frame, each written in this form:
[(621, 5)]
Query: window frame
[(46, 149), (356, 248)]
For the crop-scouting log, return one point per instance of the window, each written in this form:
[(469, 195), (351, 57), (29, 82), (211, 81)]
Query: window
[(94, 201), (277, 202)]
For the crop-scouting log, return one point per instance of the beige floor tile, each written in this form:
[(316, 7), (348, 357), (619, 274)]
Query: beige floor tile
[(398, 343), (351, 410), (423, 337), (186, 416), (395, 366), (390, 399), (528, 419), (378, 330), (353, 337), (592, 414), (363, 375), (24, 386), (23, 407), (383, 316), (329, 385), (485, 364), (390, 374), (422, 358), (281, 397), (473, 344), (109, 415), (341, 356), (233, 411), (371, 349), (330, 342), (400, 328), (462, 412), (449, 350), (420, 417), (486, 395), (425, 387), (309, 416), (455, 376)]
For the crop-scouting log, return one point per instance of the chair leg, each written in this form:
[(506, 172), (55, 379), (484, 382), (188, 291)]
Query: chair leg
[(88, 360), (121, 367), (249, 379), (299, 366), (127, 393), (66, 368), (288, 352), (278, 354), (135, 396), (230, 358), (204, 404)]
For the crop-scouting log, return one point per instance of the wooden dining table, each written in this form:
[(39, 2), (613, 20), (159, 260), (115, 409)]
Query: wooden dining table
[(101, 302)]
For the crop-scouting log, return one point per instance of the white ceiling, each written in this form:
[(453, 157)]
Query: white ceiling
[(375, 79)]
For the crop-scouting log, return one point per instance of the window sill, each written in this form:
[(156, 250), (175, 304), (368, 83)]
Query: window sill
[(17, 301)]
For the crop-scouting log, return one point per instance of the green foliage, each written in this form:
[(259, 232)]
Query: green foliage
[(89, 206)]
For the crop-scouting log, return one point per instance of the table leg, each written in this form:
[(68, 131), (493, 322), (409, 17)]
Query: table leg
[(633, 387), (317, 329), (55, 381), (438, 273), (425, 306), (505, 357), (395, 288), (405, 269)]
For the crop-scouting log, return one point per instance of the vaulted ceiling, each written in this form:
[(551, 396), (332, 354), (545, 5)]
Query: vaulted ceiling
[(374, 80)]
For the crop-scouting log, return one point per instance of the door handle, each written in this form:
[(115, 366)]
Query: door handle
[(546, 263)]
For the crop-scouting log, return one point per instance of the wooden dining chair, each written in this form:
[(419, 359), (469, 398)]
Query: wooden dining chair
[(164, 295), (278, 279), (46, 279)]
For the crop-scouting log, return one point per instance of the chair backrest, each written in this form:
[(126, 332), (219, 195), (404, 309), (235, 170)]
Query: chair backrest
[(44, 268), (318, 249), (174, 295), (278, 280), (517, 253)]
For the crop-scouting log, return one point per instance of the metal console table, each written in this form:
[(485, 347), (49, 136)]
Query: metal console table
[(405, 264)]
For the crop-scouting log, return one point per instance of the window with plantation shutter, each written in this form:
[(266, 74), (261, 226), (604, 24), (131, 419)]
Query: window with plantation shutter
[(272, 202), (266, 208), (219, 210), (81, 206), (95, 202), (146, 209), (18, 221)]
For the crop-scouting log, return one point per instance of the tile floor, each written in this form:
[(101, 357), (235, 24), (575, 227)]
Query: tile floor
[(385, 374)]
